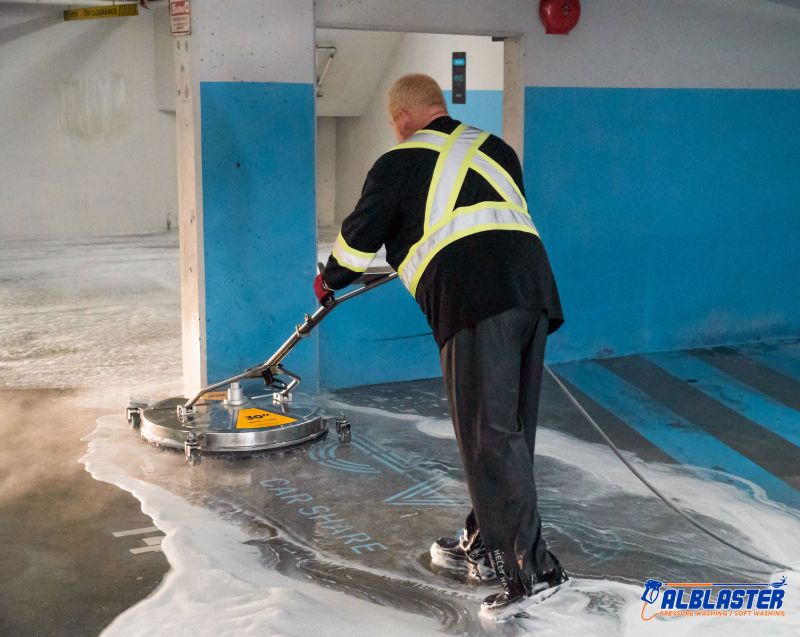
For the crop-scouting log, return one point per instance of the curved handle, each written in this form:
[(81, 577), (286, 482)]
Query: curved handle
[(370, 281)]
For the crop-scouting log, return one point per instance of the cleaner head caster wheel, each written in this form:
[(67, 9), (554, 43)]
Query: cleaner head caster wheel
[(133, 412), (192, 448), (343, 429)]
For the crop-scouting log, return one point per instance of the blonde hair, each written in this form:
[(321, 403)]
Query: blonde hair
[(415, 91)]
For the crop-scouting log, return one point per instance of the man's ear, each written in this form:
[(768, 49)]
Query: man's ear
[(405, 123)]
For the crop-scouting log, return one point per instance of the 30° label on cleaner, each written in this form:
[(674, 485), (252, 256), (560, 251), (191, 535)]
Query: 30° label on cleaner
[(258, 419)]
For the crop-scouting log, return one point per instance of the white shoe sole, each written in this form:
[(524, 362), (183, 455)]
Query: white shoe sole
[(479, 572), (441, 559), (520, 607)]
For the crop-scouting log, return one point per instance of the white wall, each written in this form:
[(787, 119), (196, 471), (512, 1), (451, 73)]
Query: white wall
[(673, 43), (361, 140), (85, 149), (653, 43), (326, 171), (355, 71)]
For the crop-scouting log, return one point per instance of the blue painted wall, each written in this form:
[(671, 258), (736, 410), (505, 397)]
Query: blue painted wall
[(484, 110), (672, 216), (379, 337), (259, 222)]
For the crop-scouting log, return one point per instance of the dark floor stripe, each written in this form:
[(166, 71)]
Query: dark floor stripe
[(766, 449), (620, 432), (731, 392), (681, 438), (766, 380)]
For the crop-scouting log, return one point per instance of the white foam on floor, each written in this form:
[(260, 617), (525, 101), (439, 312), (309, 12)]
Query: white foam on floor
[(772, 528), (218, 585)]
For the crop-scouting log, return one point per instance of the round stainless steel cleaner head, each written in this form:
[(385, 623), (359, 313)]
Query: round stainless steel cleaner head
[(257, 425)]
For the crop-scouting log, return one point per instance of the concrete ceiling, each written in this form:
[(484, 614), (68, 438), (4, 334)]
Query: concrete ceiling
[(356, 71)]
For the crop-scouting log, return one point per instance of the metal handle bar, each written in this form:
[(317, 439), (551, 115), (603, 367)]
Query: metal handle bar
[(300, 332)]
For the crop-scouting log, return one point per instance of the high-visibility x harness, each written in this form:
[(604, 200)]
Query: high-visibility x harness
[(444, 223)]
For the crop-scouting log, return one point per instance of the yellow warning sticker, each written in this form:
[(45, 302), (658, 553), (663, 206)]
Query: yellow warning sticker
[(215, 395), (258, 418)]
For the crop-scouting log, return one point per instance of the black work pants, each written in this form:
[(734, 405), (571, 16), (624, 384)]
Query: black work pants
[(493, 374)]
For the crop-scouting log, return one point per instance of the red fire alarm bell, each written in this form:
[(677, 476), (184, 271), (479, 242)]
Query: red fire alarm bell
[(559, 16)]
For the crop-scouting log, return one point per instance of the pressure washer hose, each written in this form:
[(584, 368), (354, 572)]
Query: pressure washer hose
[(654, 489)]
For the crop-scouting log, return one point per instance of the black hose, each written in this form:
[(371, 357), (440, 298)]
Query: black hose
[(655, 490)]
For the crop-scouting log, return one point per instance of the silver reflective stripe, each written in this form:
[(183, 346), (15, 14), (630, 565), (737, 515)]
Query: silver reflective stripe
[(460, 225), (351, 258), (451, 166), (426, 138), (502, 181)]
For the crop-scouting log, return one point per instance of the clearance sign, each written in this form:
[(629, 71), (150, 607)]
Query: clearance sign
[(94, 13)]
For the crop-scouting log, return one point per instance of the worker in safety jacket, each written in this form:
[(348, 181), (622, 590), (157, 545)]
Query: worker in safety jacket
[(448, 203)]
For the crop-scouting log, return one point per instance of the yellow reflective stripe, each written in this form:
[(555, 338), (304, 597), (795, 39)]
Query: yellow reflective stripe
[(345, 262), (340, 241), (503, 172), (466, 217), (437, 171), (437, 174), (412, 286), (462, 172), (349, 257), (417, 145), (495, 185), (454, 197)]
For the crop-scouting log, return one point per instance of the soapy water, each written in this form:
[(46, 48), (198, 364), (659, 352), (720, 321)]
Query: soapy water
[(245, 558), (98, 313)]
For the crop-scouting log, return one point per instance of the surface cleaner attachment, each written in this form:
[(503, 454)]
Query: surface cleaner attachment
[(241, 415)]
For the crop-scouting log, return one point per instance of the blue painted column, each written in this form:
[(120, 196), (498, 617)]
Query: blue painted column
[(259, 221), (250, 240)]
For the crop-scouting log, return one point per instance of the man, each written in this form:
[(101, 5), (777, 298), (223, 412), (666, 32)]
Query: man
[(448, 202)]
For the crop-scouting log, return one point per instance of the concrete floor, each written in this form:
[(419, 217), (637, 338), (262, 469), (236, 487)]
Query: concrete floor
[(83, 322), (716, 428), (64, 571)]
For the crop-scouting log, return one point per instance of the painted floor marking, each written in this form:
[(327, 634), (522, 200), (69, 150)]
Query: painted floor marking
[(153, 544), (142, 531), (785, 360), (680, 438), (725, 389), (145, 549)]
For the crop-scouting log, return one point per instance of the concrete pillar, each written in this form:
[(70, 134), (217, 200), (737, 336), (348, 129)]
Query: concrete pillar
[(190, 223), (513, 95), (246, 139)]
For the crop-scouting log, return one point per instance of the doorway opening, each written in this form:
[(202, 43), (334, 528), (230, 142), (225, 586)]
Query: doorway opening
[(355, 69)]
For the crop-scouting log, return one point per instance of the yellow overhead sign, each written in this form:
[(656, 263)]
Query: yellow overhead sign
[(108, 11)]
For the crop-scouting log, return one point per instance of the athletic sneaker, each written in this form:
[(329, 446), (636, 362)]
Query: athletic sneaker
[(514, 599), (449, 553)]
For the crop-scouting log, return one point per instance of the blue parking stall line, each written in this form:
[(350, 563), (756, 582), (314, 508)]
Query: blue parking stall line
[(680, 438), (784, 359), (750, 403)]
